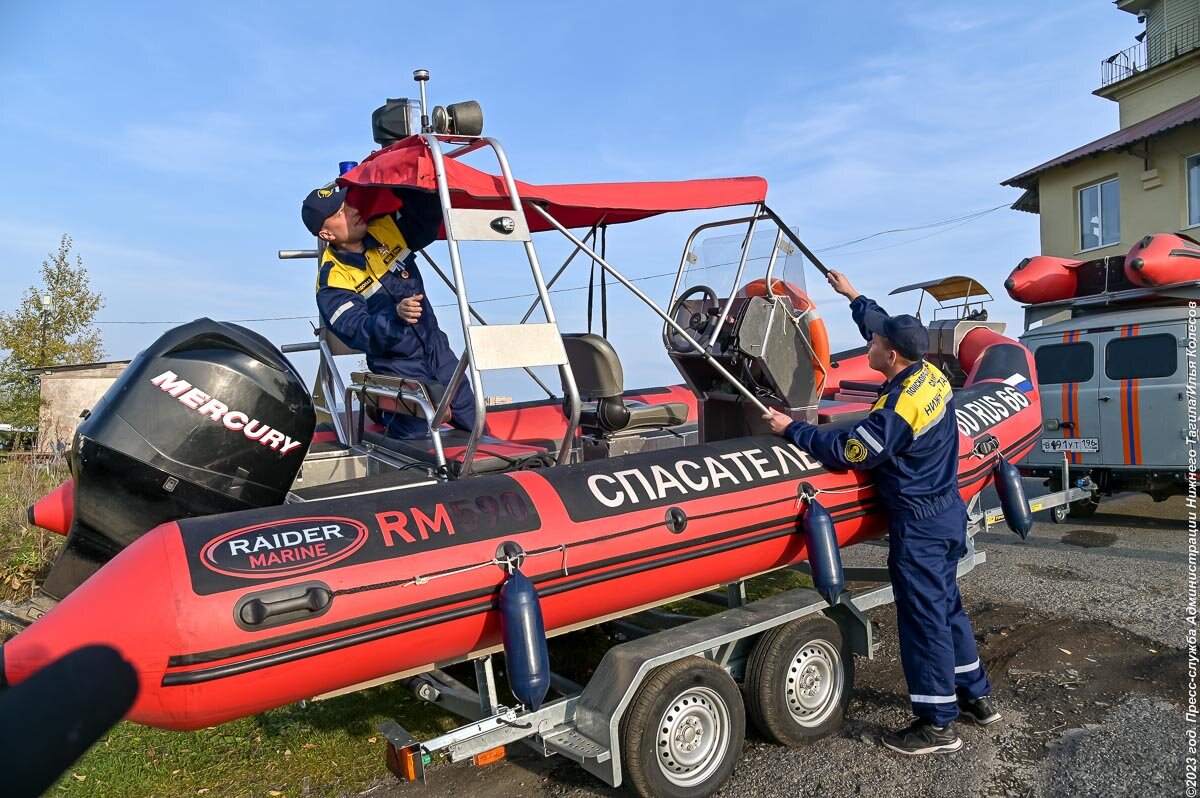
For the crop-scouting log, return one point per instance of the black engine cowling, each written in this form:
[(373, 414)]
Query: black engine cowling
[(211, 418)]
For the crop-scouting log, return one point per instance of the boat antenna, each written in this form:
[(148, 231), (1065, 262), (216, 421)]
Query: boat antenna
[(421, 76)]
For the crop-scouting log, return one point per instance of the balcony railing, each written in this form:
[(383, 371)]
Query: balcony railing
[(1151, 52)]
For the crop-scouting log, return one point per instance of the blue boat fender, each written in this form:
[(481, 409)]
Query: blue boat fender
[(524, 634), (1011, 490), (824, 555)]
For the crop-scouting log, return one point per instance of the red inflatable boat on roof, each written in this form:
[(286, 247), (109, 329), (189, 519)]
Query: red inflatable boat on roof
[(1043, 279), (239, 564), (1156, 260), (1163, 259)]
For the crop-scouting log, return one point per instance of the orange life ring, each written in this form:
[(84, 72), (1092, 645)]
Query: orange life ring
[(800, 301)]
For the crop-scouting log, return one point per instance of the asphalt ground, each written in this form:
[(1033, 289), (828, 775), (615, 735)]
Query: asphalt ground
[(1082, 630)]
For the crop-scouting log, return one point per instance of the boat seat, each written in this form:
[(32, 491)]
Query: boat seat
[(857, 386), (601, 381), (842, 411), (492, 455), (432, 392)]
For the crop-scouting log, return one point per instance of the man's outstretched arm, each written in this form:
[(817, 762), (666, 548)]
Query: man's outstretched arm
[(868, 443)]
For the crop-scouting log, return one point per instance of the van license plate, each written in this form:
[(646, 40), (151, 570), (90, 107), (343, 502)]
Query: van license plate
[(1070, 444)]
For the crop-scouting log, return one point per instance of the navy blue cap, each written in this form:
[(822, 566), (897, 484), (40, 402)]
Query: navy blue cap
[(905, 333), (319, 205)]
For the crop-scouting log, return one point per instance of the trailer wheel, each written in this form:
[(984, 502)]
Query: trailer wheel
[(682, 733), (799, 680), (1059, 514), (1085, 508)]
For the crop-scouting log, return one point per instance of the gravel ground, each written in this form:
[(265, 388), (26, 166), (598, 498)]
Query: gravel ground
[(1081, 630)]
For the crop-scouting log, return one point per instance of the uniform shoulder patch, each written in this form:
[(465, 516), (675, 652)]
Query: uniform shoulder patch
[(855, 451)]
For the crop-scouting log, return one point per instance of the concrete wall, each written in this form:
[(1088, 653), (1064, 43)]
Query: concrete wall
[(65, 394), (1153, 201)]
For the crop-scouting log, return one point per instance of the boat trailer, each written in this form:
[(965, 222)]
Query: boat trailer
[(604, 724)]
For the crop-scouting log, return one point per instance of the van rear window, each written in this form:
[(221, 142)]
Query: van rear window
[(1059, 363), (1141, 357)]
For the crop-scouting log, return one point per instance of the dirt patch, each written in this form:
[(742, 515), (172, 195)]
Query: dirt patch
[(1089, 539), (1064, 674)]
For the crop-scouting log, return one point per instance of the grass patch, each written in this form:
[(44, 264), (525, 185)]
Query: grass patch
[(26, 552), (761, 587), (322, 749)]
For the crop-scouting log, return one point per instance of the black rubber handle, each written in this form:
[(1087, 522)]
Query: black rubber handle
[(314, 599)]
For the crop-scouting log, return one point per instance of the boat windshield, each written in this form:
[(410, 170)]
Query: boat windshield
[(716, 262)]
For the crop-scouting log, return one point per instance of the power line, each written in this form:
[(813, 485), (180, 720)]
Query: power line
[(912, 240), (185, 321), (970, 217), (947, 224)]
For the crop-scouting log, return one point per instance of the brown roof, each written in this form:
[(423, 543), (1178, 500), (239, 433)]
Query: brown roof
[(1159, 123)]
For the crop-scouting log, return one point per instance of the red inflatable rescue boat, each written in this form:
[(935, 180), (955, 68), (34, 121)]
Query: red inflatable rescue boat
[(1163, 259), (1043, 279), (228, 615)]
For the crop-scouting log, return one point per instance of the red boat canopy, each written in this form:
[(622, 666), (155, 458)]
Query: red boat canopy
[(408, 163)]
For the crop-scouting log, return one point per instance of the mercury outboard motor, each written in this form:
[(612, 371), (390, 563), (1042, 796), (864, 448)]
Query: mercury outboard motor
[(211, 418)]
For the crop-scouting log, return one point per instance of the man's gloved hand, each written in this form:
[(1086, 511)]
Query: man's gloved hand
[(409, 308), (838, 282)]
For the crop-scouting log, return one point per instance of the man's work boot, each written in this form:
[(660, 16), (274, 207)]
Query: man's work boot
[(980, 711), (923, 737)]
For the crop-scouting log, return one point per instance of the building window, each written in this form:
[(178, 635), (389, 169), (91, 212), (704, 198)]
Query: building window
[(1099, 215), (1193, 190), (1142, 357), (1059, 363)]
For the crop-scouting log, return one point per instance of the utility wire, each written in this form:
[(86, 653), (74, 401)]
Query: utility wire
[(946, 224), (970, 217)]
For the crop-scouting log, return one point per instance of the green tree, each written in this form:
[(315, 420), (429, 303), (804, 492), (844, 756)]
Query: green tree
[(53, 325)]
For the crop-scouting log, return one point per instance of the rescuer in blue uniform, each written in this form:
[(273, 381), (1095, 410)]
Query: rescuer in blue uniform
[(370, 294), (909, 443)]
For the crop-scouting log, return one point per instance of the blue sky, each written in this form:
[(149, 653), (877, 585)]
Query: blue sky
[(174, 142)]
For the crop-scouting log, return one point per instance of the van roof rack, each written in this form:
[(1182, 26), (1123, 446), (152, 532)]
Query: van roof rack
[(1061, 309)]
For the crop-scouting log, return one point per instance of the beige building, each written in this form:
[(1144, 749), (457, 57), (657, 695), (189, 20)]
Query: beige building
[(1099, 199), (66, 392)]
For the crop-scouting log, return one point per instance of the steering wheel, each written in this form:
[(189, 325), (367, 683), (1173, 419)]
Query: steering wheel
[(696, 323)]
